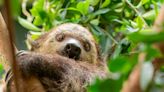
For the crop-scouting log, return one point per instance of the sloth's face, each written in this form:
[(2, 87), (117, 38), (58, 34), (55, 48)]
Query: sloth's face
[(70, 46), (72, 41)]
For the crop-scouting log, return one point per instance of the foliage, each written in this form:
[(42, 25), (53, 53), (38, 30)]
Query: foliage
[(123, 28), (1, 71)]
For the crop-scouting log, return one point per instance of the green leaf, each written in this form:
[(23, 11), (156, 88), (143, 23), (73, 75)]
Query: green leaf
[(144, 1), (108, 85), (140, 22), (37, 7), (72, 1), (117, 51), (1, 68), (119, 64), (146, 75), (34, 37), (150, 15), (94, 2), (95, 21), (96, 30), (101, 11), (83, 7), (105, 42), (151, 52), (1, 71), (147, 36), (73, 9), (15, 7), (38, 21), (105, 3), (27, 24), (118, 5), (121, 48)]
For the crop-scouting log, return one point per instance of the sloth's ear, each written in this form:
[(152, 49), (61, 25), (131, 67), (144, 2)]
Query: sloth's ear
[(31, 44), (34, 45)]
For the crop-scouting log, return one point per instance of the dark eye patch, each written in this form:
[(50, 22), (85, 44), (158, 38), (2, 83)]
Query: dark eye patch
[(87, 46), (60, 37)]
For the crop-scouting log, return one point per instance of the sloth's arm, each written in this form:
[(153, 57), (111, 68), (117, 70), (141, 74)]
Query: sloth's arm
[(58, 71), (55, 66), (41, 65)]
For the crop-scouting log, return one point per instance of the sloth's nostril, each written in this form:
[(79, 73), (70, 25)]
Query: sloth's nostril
[(72, 51), (68, 47)]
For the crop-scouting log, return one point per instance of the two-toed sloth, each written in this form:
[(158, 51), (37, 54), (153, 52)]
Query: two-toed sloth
[(66, 59)]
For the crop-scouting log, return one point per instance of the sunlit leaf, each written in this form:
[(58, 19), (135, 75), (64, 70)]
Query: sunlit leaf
[(150, 15), (1, 71), (118, 5), (101, 11), (28, 24), (105, 3), (140, 22), (93, 2), (144, 1), (147, 36), (37, 6), (73, 9), (94, 21), (83, 7)]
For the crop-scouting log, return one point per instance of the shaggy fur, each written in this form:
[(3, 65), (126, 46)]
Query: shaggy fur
[(47, 69)]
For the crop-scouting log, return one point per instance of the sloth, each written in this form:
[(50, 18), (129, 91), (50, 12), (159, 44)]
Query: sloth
[(66, 59)]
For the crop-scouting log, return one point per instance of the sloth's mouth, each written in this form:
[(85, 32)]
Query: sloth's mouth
[(71, 56)]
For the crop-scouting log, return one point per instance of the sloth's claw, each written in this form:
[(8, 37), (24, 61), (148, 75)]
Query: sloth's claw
[(21, 53)]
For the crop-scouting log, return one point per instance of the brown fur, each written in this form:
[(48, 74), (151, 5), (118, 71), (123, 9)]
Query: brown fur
[(46, 69)]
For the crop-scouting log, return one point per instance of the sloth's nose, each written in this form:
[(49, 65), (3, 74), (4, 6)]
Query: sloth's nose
[(72, 51)]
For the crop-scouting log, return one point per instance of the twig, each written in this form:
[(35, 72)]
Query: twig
[(138, 13), (25, 12)]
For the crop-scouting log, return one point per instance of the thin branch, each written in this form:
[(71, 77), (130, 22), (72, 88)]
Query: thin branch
[(137, 12), (25, 12)]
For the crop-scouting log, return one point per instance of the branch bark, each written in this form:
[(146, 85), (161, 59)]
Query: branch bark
[(5, 50), (7, 46)]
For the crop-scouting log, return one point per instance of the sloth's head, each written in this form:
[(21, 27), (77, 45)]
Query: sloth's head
[(69, 40)]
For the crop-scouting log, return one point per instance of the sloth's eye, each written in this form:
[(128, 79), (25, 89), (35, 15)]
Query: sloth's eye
[(60, 37), (87, 46)]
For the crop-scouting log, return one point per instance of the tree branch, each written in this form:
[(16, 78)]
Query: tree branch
[(4, 45)]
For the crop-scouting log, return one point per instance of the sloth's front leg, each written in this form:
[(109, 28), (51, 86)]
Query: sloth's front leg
[(53, 71), (27, 84)]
